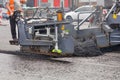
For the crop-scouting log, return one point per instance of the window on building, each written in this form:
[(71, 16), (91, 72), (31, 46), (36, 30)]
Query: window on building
[(57, 3), (44, 1), (66, 3)]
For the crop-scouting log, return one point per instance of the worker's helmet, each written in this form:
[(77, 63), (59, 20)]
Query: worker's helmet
[(23, 1)]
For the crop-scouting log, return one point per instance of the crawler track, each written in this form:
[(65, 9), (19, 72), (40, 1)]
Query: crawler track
[(86, 48)]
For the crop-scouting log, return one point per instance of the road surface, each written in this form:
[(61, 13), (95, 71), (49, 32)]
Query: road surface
[(20, 66)]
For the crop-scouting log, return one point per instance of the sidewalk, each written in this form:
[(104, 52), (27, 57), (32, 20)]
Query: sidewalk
[(5, 36)]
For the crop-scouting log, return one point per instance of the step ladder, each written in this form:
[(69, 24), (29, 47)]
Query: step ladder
[(115, 37)]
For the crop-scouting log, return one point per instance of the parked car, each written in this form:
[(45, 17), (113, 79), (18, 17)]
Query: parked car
[(83, 12)]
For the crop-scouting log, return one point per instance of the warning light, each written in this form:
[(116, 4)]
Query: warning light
[(114, 16), (63, 27)]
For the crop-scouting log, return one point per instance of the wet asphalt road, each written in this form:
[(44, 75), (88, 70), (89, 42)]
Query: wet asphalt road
[(16, 66)]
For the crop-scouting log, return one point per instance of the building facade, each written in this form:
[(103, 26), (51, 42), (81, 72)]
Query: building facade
[(71, 4), (53, 3), (49, 3)]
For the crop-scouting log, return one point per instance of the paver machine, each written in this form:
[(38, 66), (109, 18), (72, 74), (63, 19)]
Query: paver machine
[(45, 32), (52, 35)]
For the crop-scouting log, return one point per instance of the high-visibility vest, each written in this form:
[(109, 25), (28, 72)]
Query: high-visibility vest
[(11, 4)]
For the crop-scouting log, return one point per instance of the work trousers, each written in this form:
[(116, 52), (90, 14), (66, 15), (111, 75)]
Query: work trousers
[(13, 26)]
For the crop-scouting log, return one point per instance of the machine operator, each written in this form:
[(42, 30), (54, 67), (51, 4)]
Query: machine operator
[(14, 6)]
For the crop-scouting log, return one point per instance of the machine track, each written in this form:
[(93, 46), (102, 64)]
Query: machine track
[(39, 50), (86, 48)]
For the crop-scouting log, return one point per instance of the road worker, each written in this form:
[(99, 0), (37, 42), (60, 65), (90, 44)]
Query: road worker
[(13, 6)]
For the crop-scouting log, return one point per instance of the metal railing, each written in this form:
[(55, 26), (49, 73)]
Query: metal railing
[(84, 20)]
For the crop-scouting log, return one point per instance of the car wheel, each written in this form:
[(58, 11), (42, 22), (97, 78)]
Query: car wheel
[(69, 18)]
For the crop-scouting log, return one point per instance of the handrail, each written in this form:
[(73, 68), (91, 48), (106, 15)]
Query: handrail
[(110, 11), (79, 24)]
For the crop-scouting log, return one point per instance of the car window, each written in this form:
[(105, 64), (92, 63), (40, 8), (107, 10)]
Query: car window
[(84, 9)]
